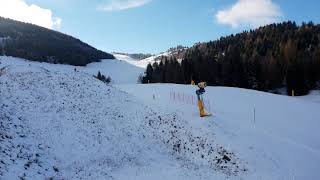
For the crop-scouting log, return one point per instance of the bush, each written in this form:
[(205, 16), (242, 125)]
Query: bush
[(103, 78)]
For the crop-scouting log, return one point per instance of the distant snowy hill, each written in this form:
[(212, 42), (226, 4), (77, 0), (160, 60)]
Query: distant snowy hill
[(137, 56), (143, 63)]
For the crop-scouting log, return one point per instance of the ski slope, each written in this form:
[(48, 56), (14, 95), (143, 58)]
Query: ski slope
[(140, 63), (280, 142), (62, 123), (120, 71), (69, 125)]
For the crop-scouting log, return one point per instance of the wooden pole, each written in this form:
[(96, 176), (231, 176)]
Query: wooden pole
[(254, 115)]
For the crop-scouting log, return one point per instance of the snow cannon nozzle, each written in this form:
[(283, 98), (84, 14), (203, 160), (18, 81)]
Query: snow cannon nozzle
[(202, 85), (201, 89)]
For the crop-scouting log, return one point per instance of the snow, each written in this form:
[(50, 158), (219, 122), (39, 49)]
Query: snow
[(313, 96), (72, 126), (121, 72), (139, 63), (281, 143), (65, 124), (69, 125)]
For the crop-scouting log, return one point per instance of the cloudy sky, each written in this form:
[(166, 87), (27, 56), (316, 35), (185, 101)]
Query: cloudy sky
[(155, 25)]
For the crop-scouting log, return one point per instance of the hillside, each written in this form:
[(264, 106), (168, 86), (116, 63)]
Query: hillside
[(65, 124), (137, 56), (279, 141), (36, 43), (120, 71), (141, 63), (142, 60), (284, 55), (69, 125)]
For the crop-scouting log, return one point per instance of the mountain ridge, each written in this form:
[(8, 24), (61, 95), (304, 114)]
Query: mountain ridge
[(268, 58), (28, 41)]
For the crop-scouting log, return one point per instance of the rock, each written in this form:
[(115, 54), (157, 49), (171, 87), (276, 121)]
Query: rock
[(226, 158)]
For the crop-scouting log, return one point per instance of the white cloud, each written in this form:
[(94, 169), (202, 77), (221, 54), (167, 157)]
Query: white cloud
[(21, 11), (252, 13), (119, 5)]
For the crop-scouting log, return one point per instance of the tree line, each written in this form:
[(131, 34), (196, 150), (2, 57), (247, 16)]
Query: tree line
[(268, 58)]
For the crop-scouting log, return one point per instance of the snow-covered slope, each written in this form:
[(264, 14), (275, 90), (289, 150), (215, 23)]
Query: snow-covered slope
[(279, 141), (69, 125), (139, 63), (121, 72), (61, 123)]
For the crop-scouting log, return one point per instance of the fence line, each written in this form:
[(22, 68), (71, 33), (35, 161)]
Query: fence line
[(182, 98)]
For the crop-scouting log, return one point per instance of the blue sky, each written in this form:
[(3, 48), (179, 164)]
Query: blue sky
[(152, 26)]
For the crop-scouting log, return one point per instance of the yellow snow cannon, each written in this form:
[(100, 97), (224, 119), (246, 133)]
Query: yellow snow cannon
[(199, 93)]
